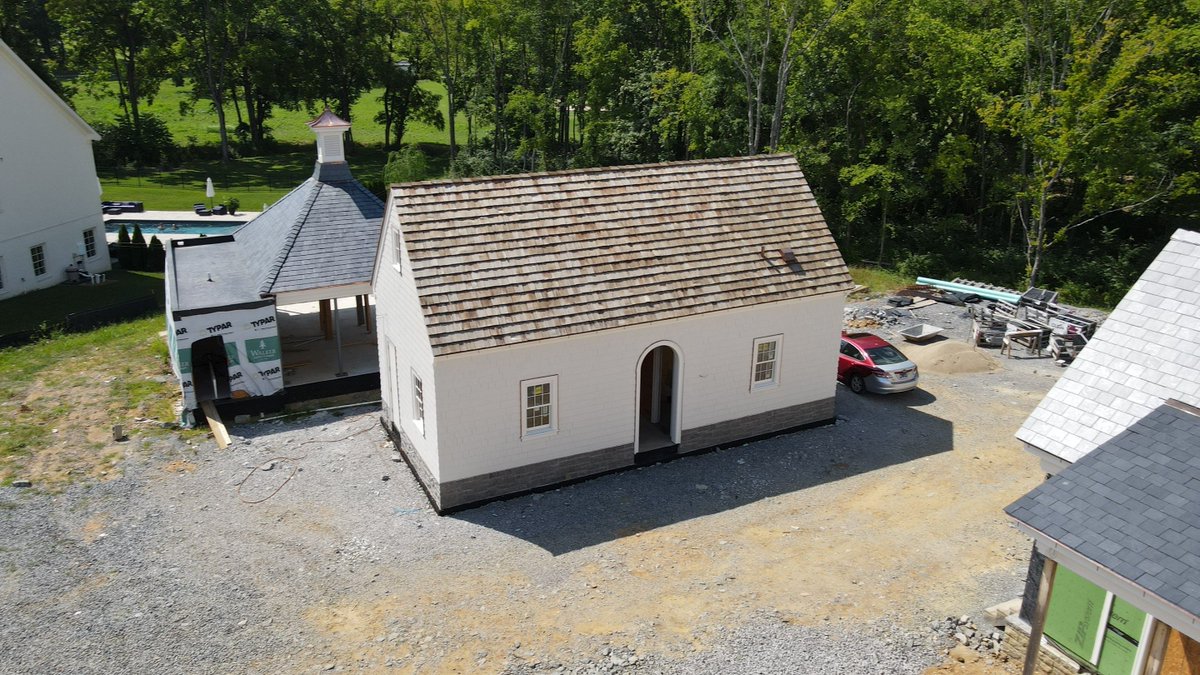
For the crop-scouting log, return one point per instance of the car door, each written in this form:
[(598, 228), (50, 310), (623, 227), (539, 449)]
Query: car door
[(848, 357)]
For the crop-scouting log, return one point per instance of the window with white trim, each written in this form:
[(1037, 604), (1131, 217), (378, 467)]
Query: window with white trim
[(418, 403), (397, 250), (89, 242), (38, 255), (539, 414), (766, 362)]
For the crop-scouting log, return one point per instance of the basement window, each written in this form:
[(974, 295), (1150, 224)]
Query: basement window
[(765, 371), (38, 255), (539, 406)]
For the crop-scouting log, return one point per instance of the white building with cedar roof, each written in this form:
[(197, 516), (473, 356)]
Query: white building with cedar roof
[(541, 328), (49, 195)]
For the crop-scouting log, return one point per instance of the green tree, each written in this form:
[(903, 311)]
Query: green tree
[(125, 40)]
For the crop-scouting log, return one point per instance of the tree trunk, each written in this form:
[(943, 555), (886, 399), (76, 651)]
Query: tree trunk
[(781, 82)]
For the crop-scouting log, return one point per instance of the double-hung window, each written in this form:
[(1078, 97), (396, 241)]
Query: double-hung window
[(89, 242), (38, 255), (765, 371), (539, 406), (418, 403)]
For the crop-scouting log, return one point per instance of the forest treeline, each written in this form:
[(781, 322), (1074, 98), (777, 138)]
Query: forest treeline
[(1052, 141)]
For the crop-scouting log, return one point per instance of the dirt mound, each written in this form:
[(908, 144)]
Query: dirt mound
[(950, 357)]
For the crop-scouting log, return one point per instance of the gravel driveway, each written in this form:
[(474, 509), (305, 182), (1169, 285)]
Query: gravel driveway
[(829, 550)]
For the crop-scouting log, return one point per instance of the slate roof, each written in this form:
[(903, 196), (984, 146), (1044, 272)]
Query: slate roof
[(510, 259), (321, 234), (1147, 351), (1132, 506), (209, 272)]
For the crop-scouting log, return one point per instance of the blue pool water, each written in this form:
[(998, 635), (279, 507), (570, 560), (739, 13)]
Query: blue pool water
[(150, 227)]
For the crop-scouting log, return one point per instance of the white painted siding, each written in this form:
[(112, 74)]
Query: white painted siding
[(48, 189), (478, 420), (400, 322)]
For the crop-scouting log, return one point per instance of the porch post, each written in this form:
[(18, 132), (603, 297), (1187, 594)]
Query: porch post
[(367, 312), (1039, 617), (337, 336)]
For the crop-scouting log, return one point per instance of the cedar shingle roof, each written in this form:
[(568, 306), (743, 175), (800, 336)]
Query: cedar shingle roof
[(1132, 506), (1147, 351), (510, 259)]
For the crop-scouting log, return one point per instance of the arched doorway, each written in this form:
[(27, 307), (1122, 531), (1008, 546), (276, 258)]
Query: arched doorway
[(210, 369), (659, 380)]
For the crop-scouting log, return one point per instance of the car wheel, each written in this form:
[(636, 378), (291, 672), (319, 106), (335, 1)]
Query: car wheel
[(857, 384)]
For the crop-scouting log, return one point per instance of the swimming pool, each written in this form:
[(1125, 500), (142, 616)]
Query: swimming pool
[(150, 227)]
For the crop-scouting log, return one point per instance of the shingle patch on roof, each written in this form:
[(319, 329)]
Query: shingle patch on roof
[(1147, 351), (509, 259), (1142, 530)]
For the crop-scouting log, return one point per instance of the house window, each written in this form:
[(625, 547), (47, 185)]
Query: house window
[(539, 414), (89, 242), (397, 250), (418, 396), (38, 254), (766, 362)]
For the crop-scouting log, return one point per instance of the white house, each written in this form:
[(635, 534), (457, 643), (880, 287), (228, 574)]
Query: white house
[(540, 328), (49, 195)]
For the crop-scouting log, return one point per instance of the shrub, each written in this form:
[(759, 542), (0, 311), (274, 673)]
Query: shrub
[(405, 166), (156, 255)]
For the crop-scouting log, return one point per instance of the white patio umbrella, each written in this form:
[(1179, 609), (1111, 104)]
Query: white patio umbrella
[(209, 191)]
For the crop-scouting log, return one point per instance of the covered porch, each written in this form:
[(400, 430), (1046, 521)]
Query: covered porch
[(327, 338)]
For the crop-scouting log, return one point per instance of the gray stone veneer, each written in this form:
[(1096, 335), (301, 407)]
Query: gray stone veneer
[(455, 494), (761, 424)]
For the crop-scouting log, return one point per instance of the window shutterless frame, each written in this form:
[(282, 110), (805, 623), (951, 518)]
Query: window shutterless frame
[(37, 255), (539, 406), (765, 360), (418, 403)]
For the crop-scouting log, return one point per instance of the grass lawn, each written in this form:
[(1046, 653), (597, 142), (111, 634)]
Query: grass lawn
[(194, 122), (254, 181), (60, 397), (879, 280), (52, 305)]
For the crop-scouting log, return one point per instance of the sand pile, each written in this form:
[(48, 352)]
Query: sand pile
[(949, 357)]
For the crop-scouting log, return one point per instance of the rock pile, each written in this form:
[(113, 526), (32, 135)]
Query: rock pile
[(985, 640), (873, 317)]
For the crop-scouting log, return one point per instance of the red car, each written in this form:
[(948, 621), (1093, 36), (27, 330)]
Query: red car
[(867, 362)]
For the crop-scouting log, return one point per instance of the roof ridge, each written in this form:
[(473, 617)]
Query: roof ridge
[(290, 241), (591, 170)]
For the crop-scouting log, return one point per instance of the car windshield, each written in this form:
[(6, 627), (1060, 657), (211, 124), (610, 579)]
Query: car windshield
[(885, 355)]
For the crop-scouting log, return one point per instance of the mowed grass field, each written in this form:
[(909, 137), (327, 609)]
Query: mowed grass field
[(193, 122), (254, 181)]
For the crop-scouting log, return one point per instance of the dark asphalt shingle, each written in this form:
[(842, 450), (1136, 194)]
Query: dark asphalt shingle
[(1142, 529)]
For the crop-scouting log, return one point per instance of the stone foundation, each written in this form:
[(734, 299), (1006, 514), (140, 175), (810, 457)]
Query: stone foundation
[(756, 426), (1051, 661), (467, 492)]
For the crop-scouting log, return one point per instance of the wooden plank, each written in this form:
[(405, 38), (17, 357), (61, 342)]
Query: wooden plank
[(1181, 655), (1034, 648), (214, 422)]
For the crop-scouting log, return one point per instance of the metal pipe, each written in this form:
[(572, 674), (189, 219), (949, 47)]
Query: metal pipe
[(1012, 298)]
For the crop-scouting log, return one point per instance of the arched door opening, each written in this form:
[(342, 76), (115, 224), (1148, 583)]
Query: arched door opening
[(658, 400), (210, 369)]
